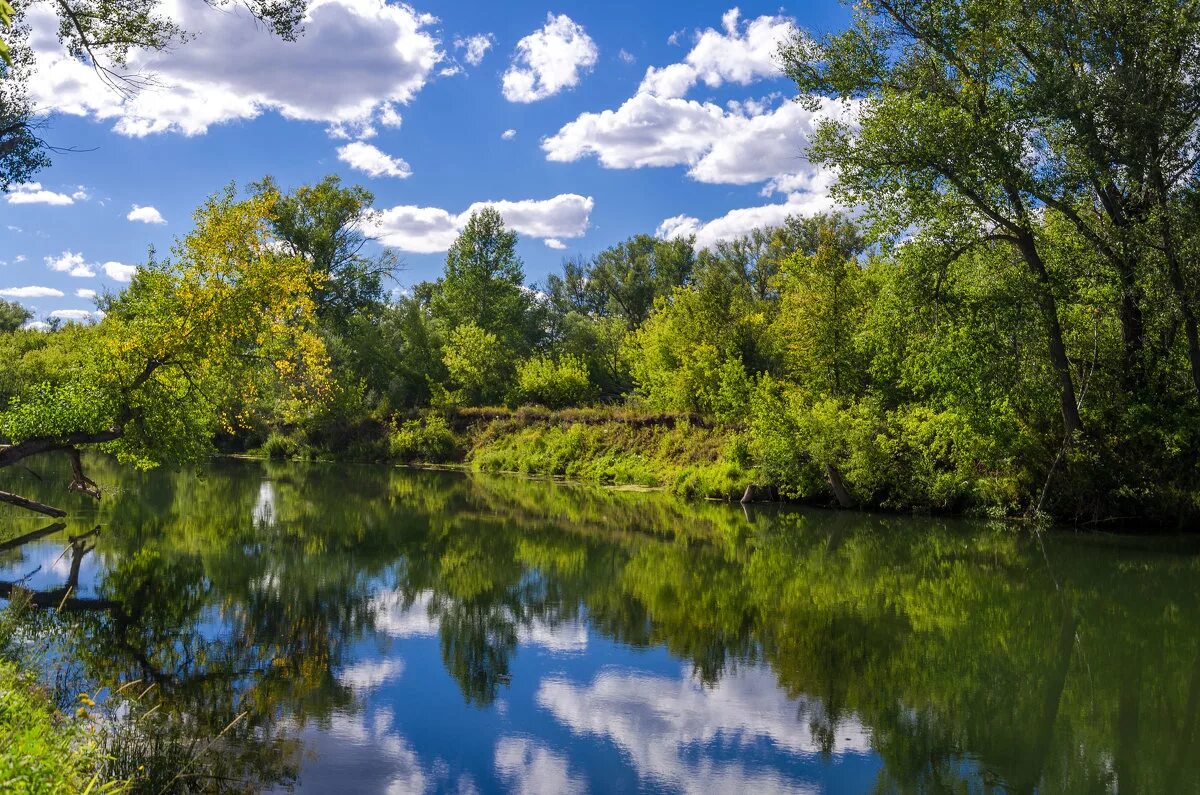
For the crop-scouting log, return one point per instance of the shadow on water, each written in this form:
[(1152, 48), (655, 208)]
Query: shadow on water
[(941, 655)]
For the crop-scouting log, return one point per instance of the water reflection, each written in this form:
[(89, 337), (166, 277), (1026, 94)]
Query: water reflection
[(392, 630)]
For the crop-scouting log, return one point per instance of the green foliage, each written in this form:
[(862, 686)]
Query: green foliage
[(12, 316), (42, 751), (427, 440), (477, 365), (682, 458), (554, 384)]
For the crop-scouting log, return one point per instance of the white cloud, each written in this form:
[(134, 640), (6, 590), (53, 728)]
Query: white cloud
[(34, 193), (78, 315), (549, 60), (431, 229), (645, 131), (37, 325), (530, 768), (736, 223), (19, 258), (31, 292), (554, 243), (373, 162), (626, 56), (475, 46), (354, 59), (684, 735), (509, 134), (72, 264), (756, 140), (737, 54), (147, 215), (84, 292), (390, 117), (119, 271)]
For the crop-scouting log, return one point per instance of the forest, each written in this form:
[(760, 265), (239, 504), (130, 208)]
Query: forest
[(1002, 321)]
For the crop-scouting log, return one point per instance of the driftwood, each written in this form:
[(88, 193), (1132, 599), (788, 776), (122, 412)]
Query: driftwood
[(32, 505)]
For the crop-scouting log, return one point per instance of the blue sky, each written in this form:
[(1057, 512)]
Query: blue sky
[(625, 117)]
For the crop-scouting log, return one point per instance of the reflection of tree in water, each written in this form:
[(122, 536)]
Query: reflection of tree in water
[(1068, 670)]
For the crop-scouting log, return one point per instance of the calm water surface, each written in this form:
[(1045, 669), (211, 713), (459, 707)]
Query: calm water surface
[(387, 630)]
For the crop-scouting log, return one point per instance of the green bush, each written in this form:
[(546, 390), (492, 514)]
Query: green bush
[(429, 440), (554, 384), (41, 752), (280, 445)]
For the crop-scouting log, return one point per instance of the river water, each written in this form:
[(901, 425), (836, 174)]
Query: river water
[(373, 629)]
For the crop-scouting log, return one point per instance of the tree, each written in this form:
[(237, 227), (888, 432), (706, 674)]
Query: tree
[(483, 284), (625, 280), (323, 224), (12, 316), (943, 141), (22, 151), (181, 352)]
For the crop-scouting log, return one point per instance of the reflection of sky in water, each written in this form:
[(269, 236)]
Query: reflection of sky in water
[(46, 564), (581, 714)]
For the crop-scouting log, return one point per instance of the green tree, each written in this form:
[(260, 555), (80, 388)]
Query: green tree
[(483, 283), (181, 352), (12, 316)]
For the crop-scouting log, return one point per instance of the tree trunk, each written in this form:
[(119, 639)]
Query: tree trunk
[(1179, 287), (32, 505), (834, 476), (1072, 422)]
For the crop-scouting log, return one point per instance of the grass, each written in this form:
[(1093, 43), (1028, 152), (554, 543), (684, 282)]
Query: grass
[(41, 751), (614, 448)]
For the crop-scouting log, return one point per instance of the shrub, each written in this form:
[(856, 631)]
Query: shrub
[(279, 445), (555, 384), (430, 440)]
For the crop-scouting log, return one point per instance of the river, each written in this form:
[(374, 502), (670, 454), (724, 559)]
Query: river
[(375, 629)]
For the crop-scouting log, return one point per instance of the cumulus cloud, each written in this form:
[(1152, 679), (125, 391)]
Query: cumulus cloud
[(356, 57), (530, 768), (626, 56), (84, 292), (549, 60), (758, 140), (34, 193), (146, 215), (432, 229), (739, 53), (72, 264), (736, 223), (509, 134), (474, 47), (119, 271), (32, 291), (554, 243), (373, 162)]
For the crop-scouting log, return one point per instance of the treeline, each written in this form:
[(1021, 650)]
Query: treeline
[(836, 370)]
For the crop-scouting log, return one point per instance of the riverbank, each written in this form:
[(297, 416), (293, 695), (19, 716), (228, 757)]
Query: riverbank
[(42, 751)]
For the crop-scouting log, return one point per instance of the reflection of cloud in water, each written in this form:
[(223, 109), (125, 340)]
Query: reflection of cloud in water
[(529, 767), (264, 506), (357, 753), (420, 620), (369, 674), (661, 723)]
